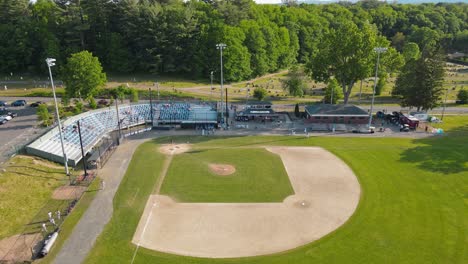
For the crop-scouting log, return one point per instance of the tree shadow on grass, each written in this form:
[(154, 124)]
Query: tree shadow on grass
[(445, 154), (203, 139)]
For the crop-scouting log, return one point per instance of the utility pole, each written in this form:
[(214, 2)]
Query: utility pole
[(51, 62), (82, 150), (227, 109), (151, 107), (445, 104), (221, 47), (211, 90), (118, 119), (378, 50)]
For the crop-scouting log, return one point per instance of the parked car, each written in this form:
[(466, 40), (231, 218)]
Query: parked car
[(369, 130), (461, 102), (103, 102), (36, 104), (3, 120), (404, 128), (3, 103), (7, 117), (19, 103), (4, 111)]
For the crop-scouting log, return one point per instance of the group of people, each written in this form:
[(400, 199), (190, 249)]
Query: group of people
[(58, 214)]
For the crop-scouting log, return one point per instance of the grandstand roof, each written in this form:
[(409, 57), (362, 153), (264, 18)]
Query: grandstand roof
[(332, 110)]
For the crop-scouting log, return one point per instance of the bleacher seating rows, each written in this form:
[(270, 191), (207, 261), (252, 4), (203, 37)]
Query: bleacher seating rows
[(95, 124)]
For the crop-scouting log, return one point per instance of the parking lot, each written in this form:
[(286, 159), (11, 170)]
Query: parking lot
[(20, 130)]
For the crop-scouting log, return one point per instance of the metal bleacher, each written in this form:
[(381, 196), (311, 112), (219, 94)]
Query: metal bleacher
[(94, 125), (97, 123)]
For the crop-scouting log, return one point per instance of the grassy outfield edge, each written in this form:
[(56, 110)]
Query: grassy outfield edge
[(71, 221), (397, 221)]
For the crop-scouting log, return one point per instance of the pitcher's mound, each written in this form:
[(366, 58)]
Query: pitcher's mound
[(222, 169), (173, 149), (68, 192)]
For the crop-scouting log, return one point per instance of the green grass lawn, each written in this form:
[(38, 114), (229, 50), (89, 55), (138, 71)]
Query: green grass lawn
[(413, 209), (70, 221), (260, 177), (25, 188), (452, 122)]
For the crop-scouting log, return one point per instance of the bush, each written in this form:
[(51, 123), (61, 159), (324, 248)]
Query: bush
[(260, 93), (462, 95), (133, 95), (92, 103), (78, 107), (44, 115)]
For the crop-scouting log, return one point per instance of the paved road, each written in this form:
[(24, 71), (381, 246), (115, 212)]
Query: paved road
[(18, 131), (84, 235)]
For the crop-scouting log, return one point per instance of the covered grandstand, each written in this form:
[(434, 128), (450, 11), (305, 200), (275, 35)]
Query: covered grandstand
[(97, 123), (185, 114)]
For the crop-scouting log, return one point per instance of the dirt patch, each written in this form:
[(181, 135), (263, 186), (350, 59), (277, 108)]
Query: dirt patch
[(17, 248), (326, 193), (68, 192), (174, 149), (222, 169)]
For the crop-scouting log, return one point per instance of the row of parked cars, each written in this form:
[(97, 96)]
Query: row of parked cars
[(6, 115), (20, 103)]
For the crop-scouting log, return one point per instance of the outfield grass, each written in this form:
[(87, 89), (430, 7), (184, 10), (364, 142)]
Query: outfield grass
[(260, 177), (71, 220), (25, 188), (413, 209)]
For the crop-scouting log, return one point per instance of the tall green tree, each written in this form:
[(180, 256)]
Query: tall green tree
[(83, 75), (420, 83), (236, 55), (294, 84), (346, 53), (411, 51)]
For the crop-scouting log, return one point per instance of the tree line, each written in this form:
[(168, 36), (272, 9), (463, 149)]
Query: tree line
[(177, 37)]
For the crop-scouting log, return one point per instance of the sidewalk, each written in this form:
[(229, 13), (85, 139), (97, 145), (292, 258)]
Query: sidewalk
[(84, 235)]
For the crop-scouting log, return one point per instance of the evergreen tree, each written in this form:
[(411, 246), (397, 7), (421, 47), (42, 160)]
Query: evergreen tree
[(420, 83)]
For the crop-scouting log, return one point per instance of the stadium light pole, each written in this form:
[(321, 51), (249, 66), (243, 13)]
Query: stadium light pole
[(51, 62), (378, 50), (221, 47)]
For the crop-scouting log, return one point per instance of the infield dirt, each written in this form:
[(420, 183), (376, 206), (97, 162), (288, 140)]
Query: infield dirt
[(326, 195)]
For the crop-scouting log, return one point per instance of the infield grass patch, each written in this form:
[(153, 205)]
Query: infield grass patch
[(260, 177)]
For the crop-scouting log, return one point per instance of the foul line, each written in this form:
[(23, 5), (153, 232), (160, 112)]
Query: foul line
[(143, 232), (166, 164)]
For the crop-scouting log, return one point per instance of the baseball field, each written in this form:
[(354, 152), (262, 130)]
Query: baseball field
[(411, 204)]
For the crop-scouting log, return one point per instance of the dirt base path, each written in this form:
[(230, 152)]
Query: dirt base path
[(326, 195)]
